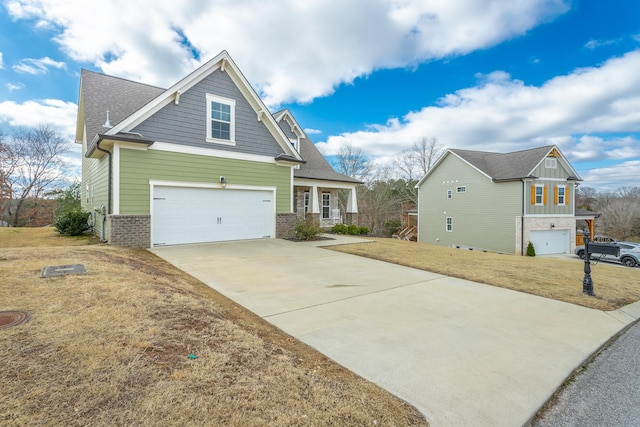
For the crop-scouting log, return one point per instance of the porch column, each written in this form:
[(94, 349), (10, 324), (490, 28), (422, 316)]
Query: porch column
[(315, 205), (352, 202)]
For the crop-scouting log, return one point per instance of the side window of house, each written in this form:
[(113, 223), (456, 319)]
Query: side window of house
[(86, 193), (326, 205), (449, 194), (538, 195), (306, 202), (449, 224), (461, 189), (221, 120), (561, 195)]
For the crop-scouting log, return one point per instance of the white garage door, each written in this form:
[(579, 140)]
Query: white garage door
[(551, 241), (194, 215)]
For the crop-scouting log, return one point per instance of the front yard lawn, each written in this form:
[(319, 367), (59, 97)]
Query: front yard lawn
[(559, 279), (137, 342)]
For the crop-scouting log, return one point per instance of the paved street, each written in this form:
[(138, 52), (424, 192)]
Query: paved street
[(607, 392)]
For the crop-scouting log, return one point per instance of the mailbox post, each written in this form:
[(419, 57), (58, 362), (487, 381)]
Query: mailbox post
[(587, 283)]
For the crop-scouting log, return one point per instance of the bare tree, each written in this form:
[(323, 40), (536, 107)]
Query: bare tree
[(352, 161), (414, 163), (31, 164), (621, 218)]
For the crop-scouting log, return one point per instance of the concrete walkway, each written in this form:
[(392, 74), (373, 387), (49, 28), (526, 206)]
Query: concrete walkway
[(463, 353)]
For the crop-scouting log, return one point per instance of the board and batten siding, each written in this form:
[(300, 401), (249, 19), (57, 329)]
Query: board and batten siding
[(550, 177), (186, 123), (484, 216), (138, 167)]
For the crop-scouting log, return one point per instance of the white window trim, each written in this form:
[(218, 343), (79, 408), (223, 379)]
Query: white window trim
[(461, 189), (541, 195), (306, 199), (448, 224), (564, 196), (232, 126), (322, 206), (551, 163), (449, 194)]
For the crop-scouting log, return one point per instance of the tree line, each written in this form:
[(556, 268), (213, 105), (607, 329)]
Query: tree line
[(618, 211)]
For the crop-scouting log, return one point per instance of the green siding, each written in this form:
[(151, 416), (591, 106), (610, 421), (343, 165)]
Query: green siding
[(138, 167), (95, 175), (484, 217)]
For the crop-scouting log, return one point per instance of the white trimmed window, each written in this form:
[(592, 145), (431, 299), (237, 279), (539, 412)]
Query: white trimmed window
[(221, 120), (449, 224), (539, 194), (306, 202), (561, 195), (461, 189), (550, 163), (449, 194), (326, 205)]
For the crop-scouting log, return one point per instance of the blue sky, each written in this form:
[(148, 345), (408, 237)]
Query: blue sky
[(376, 74)]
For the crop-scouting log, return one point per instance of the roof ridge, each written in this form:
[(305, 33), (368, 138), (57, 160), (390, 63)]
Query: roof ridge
[(121, 78)]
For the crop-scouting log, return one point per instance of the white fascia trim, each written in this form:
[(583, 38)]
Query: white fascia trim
[(115, 191), (565, 216), (552, 179), (210, 152), (302, 182), (215, 185)]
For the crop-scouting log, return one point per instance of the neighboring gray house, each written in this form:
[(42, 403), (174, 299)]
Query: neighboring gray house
[(201, 161), (500, 202)]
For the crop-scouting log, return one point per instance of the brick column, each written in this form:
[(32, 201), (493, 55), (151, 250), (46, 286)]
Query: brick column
[(285, 225), (351, 218), (130, 230)]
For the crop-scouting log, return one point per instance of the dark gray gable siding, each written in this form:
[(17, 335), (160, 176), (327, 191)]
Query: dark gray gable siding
[(287, 129), (185, 123)]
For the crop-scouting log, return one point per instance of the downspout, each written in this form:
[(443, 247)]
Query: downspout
[(104, 216), (524, 193)]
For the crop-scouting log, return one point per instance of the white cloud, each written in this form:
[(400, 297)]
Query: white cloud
[(625, 174), (37, 66), (14, 86), (593, 44), (502, 114), (310, 131), (1, 64), (58, 114), (292, 50)]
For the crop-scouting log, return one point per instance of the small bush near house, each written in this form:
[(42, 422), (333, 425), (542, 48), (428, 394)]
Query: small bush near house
[(339, 229), (72, 222), (353, 230), (530, 250), (307, 230), (363, 230)]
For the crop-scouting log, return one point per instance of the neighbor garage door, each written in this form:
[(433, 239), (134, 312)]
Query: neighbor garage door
[(551, 241), (194, 215)]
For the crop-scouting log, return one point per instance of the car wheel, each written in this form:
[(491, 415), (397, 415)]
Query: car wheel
[(581, 254), (629, 262)]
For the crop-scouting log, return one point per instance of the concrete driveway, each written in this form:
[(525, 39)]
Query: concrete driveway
[(463, 353)]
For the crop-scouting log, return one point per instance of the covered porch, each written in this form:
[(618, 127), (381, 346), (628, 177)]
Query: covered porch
[(318, 201)]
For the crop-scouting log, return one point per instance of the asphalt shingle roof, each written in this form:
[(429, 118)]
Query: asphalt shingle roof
[(505, 166), (317, 166)]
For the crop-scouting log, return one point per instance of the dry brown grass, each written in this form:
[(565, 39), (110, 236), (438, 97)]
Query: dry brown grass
[(559, 279), (39, 237), (111, 348)]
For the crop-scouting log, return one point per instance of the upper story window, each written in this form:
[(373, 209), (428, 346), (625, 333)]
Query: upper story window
[(462, 189), (550, 163), (221, 120), (561, 195), (538, 195)]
